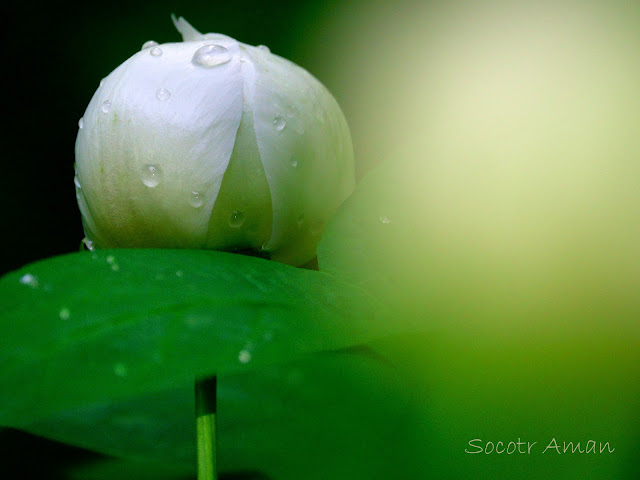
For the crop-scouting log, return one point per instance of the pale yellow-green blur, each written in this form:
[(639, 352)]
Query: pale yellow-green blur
[(520, 122)]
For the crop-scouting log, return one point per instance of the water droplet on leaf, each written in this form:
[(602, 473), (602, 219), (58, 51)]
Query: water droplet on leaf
[(29, 280), (64, 314), (120, 370), (244, 356)]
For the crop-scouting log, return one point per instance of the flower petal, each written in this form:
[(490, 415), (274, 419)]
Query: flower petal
[(306, 151), (157, 140)]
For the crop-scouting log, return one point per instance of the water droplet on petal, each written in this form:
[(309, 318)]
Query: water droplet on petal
[(264, 48), (279, 123), (163, 94), (106, 106), (120, 370), (384, 219), (76, 182), (237, 219), (81, 123), (211, 56), (292, 111), (151, 175), (88, 244), (244, 356), (101, 82), (64, 314), (196, 200), (149, 44), (242, 59), (155, 52), (29, 280)]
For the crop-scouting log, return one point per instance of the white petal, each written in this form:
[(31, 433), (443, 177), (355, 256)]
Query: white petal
[(306, 152), (187, 137), (186, 30)]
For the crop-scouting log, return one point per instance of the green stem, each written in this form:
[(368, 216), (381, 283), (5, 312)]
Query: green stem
[(206, 393)]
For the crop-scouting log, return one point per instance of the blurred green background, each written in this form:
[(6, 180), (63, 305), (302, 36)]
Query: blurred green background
[(503, 231)]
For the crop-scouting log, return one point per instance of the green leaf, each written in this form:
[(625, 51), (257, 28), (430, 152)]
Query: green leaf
[(86, 328), (332, 415)]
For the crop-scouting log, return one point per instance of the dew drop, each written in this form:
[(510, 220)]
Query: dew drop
[(384, 219), (163, 94), (211, 56), (242, 59), (293, 162), (149, 44), (244, 356), (106, 106), (151, 175), (120, 370), (64, 314), (155, 52), (29, 280), (111, 259), (115, 267), (292, 111), (101, 82), (81, 123), (179, 273), (264, 48), (237, 219), (76, 182), (88, 244), (279, 123), (196, 200)]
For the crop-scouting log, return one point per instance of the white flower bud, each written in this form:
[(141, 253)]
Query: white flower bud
[(211, 143)]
